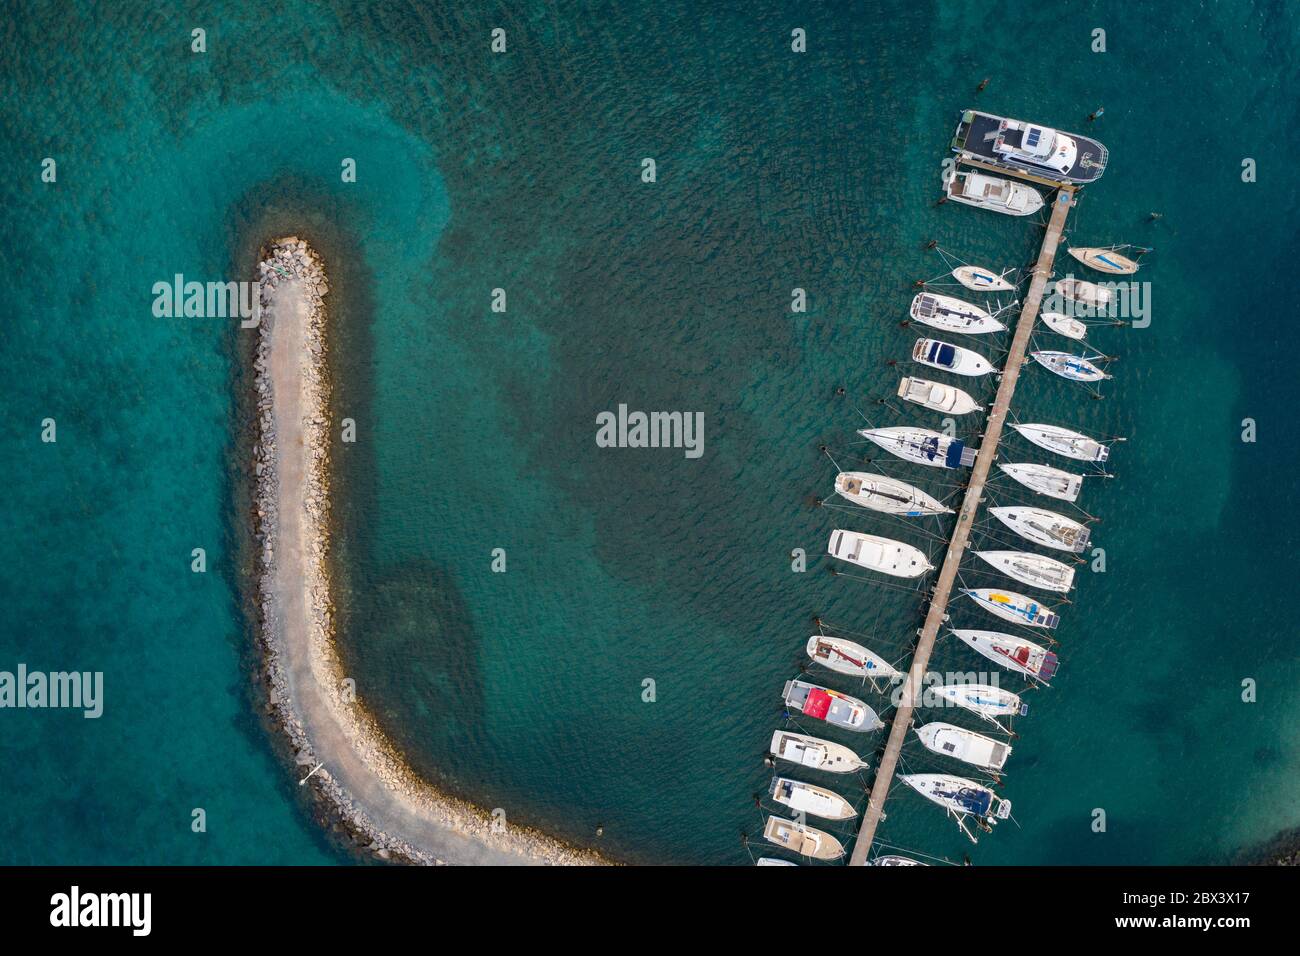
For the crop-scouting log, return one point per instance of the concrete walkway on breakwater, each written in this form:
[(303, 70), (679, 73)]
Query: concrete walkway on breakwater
[(363, 780), (961, 532)]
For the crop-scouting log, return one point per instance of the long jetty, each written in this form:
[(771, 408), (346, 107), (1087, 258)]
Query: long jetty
[(988, 450)]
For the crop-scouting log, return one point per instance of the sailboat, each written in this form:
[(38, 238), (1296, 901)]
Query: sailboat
[(1036, 570), (1076, 368), (952, 315), (922, 445), (984, 700), (802, 839), (846, 657), (1044, 527), (1065, 442), (982, 280), (1065, 325), (814, 752), (889, 495), (1085, 293), (1012, 652), (875, 553), (965, 745), (961, 798), (1014, 607), (1104, 260), (1045, 480), (806, 798)]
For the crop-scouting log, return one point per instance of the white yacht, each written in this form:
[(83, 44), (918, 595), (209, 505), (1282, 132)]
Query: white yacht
[(982, 280), (1036, 570), (846, 657), (923, 446), (1071, 444), (947, 399), (952, 315), (950, 358), (961, 798), (1044, 527), (1046, 480), (814, 752), (1014, 607), (1015, 144), (1104, 260), (1088, 294), (992, 192), (965, 745), (895, 860), (988, 702), (1015, 653), (885, 494), (804, 840), (1074, 367), (806, 798), (878, 554)]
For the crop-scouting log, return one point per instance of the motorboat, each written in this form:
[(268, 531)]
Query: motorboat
[(952, 315), (802, 839), (947, 399), (1044, 527), (1014, 607), (814, 752), (960, 797), (1046, 480), (806, 798), (988, 702), (964, 745), (1104, 260), (1064, 324), (1016, 144), (922, 445), (1036, 570), (875, 553), (1074, 367), (950, 358), (846, 657), (889, 495), (1012, 652), (992, 192), (1065, 442), (822, 703), (982, 280)]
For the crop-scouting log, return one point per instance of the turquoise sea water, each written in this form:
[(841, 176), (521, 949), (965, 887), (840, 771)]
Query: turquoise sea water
[(521, 171)]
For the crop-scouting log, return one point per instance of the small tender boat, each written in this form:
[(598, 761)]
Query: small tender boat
[(1036, 570), (814, 752), (1014, 607), (922, 445), (1044, 527), (965, 745), (952, 315), (961, 798), (1014, 653), (893, 860), (806, 798), (947, 399), (881, 493), (1085, 293), (992, 192), (950, 358), (804, 840), (845, 657), (981, 280), (875, 553), (987, 701), (773, 861), (1046, 480), (1063, 324), (835, 708), (1074, 367), (1104, 260), (1071, 444)]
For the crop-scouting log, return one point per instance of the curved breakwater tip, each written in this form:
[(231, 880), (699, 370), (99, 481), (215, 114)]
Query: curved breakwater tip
[(357, 773)]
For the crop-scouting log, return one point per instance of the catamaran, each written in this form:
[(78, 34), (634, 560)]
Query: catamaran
[(1065, 325), (806, 798), (988, 702), (1046, 480), (878, 554), (965, 745), (1012, 606), (982, 280), (952, 315), (1085, 293), (1036, 570), (923, 446), (846, 657), (1044, 527), (992, 192), (1014, 653), (1015, 144), (1071, 444), (950, 358), (881, 493), (1074, 367), (814, 752), (835, 708), (802, 839), (1104, 260), (960, 798), (947, 399)]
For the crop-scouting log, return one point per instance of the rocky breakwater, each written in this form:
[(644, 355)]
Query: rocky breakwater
[(360, 781)]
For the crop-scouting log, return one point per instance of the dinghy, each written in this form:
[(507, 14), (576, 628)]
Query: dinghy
[(961, 798), (1044, 527), (1064, 325), (805, 798), (1085, 293), (822, 703), (985, 700), (964, 745), (802, 839), (814, 752), (923, 446), (952, 315), (1104, 260), (992, 192), (1036, 570), (881, 493), (1074, 367), (893, 860), (1012, 606), (845, 657), (875, 553), (1014, 653), (981, 280), (950, 358), (947, 399), (1071, 444), (1046, 480), (773, 861)]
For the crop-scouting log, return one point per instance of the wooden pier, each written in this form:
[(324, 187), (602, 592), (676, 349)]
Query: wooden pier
[(938, 610)]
